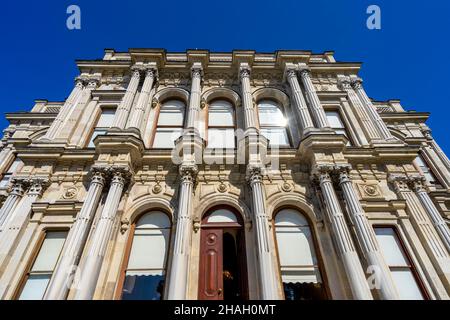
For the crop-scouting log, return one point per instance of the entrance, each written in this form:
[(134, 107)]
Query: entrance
[(223, 270)]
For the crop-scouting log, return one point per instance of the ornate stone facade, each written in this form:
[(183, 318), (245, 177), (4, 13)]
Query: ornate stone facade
[(351, 166)]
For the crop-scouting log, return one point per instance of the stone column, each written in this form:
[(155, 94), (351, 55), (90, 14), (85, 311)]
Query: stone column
[(121, 117), (76, 239), (316, 106), (437, 149), (371, 110), (420, 219), (436, 218), (183, 234), (267, 280), (366, 122), (17, 221), (15, 195), (247, 98), (345, 247), (302, 109), (137, 113), (90, 269), (194, 99), (65, 109), (368, 241)]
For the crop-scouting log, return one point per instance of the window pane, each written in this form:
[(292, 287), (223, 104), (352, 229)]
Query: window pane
[(220, 138), (143, 287), (94, 135), (221, 114), (35, 287), (276, 136), (334, 119), (406, 285), (289, 217), (222, 215), (148, 250), (171, 114), (270, 114), (153, 220), (165, 137), (390, 247), (50, 251), (106, 118), (295, 246)]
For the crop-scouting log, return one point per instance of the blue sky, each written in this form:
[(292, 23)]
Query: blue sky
[(407, 59)]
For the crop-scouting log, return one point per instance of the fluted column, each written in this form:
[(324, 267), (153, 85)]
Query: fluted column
[(18, 218), (437, 149), (436, 218), (366, 122), (65, 109), (267, 273), (367, 239), (382, 127), (194, 99), (137, 113), (247, 98), (316, 107), (15, 195), (90, 270), (76, 239), (123, 110), (346, 248), (183, 233), (302, 108)]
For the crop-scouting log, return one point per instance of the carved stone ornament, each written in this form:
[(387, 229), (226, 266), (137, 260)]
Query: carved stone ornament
[(286, 186), (124, 225), (222, 187), (70, 193), (371, 190), (196, 225), (157, 188)]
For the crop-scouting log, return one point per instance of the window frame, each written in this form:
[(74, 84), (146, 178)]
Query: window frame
[(286, 127), (345, 123), (411, 265), (95, 128), (207, 126), (129, 244), (32, 259), (156, 125), (320, 261)]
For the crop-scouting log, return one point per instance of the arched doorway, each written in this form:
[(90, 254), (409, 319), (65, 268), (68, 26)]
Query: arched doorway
[(223, 269)]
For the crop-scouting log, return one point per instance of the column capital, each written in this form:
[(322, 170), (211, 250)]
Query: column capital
[(98, 175), (136, 71), (79, 81), (18, 187), (121, 175), (305, 72), (151, 71), (244, 71), (400, 181), (357, 83), (93, 82), (427, 133), (290, 72), (344, 83), (255, 174), (188, 172), (196, 70), (37, 186)]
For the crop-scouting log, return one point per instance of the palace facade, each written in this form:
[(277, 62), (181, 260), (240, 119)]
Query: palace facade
[(242, 175)]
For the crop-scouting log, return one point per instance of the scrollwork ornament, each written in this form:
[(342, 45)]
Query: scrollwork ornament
[(286, 186)]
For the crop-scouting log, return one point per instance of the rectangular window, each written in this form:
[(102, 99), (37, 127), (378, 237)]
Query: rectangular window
[(103, 124), (272, 123), (38, 277), (13, 168), (169, 125), (429, 176), (221, 125), (336, 123), (402, 269)]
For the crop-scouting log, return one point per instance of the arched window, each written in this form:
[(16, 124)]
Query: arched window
[(300, 272), (145, 269), (170, 124), (272, 123), (221, 125)]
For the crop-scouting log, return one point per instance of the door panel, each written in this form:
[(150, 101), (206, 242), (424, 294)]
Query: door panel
[(211, 265)]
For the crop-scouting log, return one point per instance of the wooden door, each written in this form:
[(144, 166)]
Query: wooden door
[(211, 265)]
